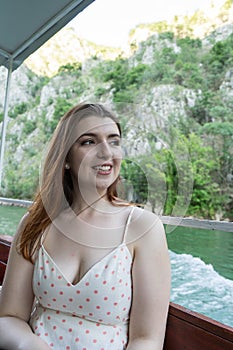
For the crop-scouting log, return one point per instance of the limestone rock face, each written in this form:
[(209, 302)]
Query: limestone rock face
[(151, 116), (65, 47), (227, 87), (19, 87)]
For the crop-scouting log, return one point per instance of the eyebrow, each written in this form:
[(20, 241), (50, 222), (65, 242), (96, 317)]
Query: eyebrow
[(91, 134)]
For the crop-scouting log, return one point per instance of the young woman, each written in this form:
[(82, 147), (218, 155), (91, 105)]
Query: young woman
[(87, 270)]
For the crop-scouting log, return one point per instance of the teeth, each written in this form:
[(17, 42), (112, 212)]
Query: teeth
[(103, 167)]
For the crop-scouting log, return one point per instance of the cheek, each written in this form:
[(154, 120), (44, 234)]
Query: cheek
[(118, 161), (118, 155), (78, 157)]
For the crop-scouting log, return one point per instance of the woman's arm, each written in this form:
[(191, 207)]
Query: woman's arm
[(16, 300), (151, 285), (16, 334)]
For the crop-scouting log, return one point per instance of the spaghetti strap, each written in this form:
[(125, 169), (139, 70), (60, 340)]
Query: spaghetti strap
[(43, 236), (127, 224)]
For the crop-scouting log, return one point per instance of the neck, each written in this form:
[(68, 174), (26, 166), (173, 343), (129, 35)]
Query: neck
[(90, 202)]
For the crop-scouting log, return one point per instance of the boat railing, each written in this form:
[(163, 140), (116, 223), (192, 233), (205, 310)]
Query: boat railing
[(173, 221), (212, 225)]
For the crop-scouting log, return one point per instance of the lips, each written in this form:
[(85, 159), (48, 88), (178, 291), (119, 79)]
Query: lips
[(103, 169)]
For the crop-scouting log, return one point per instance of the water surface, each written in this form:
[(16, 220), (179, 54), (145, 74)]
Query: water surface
[(10, 217)]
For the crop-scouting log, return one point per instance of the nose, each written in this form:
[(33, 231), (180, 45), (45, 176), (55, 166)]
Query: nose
[(104, 150)]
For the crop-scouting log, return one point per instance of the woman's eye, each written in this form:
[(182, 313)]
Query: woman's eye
[(87, 142), (115, 142)]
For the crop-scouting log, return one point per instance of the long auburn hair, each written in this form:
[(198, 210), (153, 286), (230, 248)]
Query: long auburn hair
[(55, 192)]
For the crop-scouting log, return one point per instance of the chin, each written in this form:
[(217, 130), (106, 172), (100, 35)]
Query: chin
[(103, 185)]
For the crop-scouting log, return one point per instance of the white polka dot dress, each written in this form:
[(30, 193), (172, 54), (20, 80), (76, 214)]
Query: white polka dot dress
[(90, 315)]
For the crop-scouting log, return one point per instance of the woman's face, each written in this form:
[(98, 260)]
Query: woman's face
[(95, 157)]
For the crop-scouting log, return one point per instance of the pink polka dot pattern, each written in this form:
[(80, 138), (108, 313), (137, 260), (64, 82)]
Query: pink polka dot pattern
[(91, 315)]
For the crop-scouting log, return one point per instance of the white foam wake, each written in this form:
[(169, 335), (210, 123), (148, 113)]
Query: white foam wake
[(200, 288)]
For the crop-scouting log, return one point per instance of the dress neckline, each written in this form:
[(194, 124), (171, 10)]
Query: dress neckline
[(98, 262)]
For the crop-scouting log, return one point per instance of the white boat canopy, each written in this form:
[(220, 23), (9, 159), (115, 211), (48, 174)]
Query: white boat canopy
[(25, 25)]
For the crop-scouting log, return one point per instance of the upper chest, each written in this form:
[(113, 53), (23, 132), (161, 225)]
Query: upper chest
[(76, 247)]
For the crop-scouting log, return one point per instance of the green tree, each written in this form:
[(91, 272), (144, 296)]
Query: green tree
[(134, 180), (61, 107), (219, 136), (19, 109), (206, 198), (73, 68)]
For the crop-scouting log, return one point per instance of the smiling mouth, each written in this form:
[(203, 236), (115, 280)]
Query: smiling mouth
[(103, 169)]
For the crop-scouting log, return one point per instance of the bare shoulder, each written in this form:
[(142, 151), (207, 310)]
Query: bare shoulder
[(146, 231), (144, 215), (145, 224), (22, 222)]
